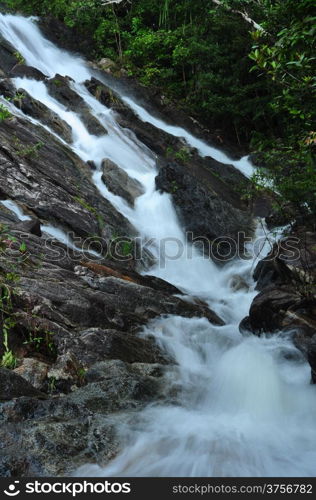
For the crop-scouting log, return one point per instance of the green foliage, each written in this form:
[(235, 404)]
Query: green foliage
[(31, 151), (20, 59), (195, 53), (4, 113), (41, 341), (7, 322)]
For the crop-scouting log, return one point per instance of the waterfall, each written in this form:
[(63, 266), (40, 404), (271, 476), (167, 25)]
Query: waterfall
[(243, 406)]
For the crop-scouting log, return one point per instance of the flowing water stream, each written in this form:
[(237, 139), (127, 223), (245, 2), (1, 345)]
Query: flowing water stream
[(244, 406)]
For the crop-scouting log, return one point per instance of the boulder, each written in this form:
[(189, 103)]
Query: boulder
[(107, 65), (33, 371), (7, 88), (114, 385), (24, 71), (272, 270), (204, 213), (269, 307), (13, 386), (119, 182)]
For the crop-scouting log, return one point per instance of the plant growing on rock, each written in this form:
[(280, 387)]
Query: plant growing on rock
[(4, 113), (20, 59), (7, 320)]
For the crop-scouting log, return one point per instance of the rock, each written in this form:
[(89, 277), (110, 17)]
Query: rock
[(204, 213), (13, 385), (114, 385), (244, 326), (7, 88), (39, 111), (268, 308), (107, 65), (272, 270), (65, 37), (66, 372), (7, 57), (91, 313), (32, 226), (24, 71), (156, 139), (104, 94), (311, 356), (99, 345), (91, 164), (59, 88), (59, 192), (33, 371), (138, 302), (119, 271), (53, 437), (119, 182)]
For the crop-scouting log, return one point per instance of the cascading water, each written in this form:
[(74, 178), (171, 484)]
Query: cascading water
[(241, 406)]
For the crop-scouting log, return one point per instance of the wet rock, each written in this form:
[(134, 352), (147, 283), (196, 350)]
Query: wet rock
[(245, 326), (105, 95), (268, 308), (7, 57), (204, 213), (33, 371), (59, 88), (156, 139), (7, 88), (24, 71), (119, 182), (32, 226), (13, 385), (140, 303), (39, 111), (90, 312), (272, 270), (61, 192)]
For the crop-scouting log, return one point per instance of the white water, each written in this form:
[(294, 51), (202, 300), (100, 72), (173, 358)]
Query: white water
[(204, 149), (243, 407), (53, 231)]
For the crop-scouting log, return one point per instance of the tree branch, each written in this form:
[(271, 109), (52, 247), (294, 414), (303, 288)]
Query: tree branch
[(242, 14)]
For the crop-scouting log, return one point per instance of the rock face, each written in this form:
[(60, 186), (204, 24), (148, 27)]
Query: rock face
[(58, 192), (119, 183), (287, 300), (39, 111), (59, 88), (204, 212)]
